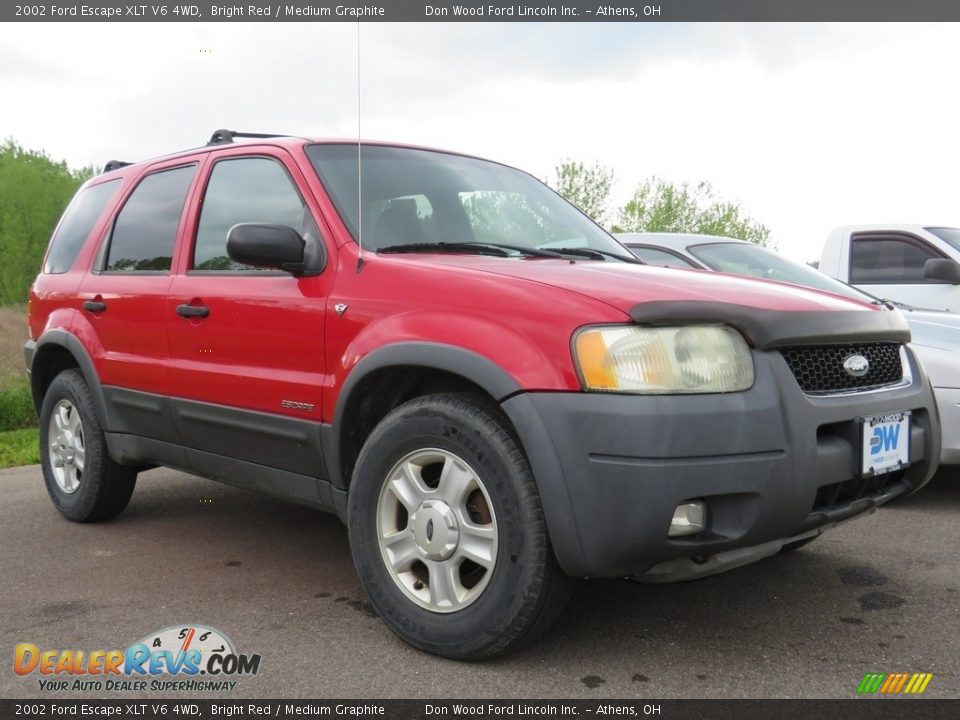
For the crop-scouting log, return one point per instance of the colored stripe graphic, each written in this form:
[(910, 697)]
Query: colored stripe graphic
[(894, 683), (890, 682), (871, 683)]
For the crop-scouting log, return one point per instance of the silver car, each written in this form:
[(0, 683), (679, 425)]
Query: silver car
[(936, 334)]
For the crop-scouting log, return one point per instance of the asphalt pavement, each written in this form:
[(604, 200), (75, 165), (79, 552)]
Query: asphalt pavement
[(879, 594)]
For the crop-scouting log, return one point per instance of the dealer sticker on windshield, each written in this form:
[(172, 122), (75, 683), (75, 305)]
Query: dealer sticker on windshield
[(886, 443)]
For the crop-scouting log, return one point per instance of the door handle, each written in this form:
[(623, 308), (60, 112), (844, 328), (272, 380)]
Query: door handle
[(193, 311), (95, 306)]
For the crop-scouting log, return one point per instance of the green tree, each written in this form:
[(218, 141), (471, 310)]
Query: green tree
[(661, 206), (503, 217), (34, 190), (587, 187)]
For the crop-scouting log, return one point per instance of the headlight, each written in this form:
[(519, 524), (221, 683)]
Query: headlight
[(663, 360)]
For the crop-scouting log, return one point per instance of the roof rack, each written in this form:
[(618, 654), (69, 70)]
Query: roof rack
[(222, 137), (114, 165)]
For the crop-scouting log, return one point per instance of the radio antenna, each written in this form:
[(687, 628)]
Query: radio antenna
[(359, 165)]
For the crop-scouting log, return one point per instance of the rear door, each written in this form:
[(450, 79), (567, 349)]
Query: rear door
[(247, 345), (123, 300)]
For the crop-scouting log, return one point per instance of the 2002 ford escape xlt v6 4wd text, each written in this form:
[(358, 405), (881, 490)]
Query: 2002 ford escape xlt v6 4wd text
[(483, 384)]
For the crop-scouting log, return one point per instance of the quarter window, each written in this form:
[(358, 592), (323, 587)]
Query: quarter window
[(145, 231), (245, 190), (77, 222), (888, 260)]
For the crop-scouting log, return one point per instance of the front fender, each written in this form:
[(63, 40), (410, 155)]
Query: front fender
[(482, 371), (504, 345)]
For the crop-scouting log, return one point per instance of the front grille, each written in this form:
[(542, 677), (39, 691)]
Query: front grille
[(843, 493), (819, 368)]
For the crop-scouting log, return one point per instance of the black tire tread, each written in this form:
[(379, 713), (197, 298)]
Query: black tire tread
[(556, 586), (549, 588), (112, 484)]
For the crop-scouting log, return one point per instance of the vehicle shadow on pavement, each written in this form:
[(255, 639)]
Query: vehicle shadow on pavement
[(845, 601), (941, 494), (875, 593)]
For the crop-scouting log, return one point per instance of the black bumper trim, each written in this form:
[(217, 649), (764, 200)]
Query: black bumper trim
[(611, 469), (687, 460)]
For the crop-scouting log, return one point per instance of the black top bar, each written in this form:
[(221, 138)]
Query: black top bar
[(222, 137), (114, 165)]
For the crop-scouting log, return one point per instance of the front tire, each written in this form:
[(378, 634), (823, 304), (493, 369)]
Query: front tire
[(83, 481), (447, 530)]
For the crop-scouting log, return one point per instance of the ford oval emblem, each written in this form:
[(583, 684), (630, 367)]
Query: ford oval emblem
[(856, 366), (429, 530)]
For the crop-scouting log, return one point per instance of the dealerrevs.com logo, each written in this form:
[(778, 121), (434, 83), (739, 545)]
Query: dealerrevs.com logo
[(186, 658)]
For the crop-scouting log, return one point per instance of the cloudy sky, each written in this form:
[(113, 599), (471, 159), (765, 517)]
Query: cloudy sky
[(809, 126)]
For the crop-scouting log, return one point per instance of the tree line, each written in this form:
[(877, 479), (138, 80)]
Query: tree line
[(656, 205), (34, 190)]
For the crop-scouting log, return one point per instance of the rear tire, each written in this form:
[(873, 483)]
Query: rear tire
[(83, 481), (448, 533)]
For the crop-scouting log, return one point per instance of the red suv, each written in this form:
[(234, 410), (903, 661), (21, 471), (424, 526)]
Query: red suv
[(489, 390)]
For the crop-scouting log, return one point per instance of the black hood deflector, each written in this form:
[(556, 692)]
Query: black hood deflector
[(771, 329)]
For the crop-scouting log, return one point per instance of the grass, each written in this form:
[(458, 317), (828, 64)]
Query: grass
[(16, 404), (18, 420), (19, 447), (13, 334)]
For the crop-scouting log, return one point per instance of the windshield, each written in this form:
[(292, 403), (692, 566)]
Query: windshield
[(950, 236), (416, 197), (747, 259)]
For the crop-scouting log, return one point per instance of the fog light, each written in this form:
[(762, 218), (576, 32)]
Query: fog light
[(688, 519)]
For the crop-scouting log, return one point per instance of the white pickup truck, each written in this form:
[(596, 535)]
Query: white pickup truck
[(913, 264)]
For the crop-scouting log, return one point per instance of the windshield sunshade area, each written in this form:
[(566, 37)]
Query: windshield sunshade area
[(417, 199)]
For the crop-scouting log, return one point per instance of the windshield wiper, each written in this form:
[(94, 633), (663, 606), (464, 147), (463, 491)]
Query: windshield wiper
[(480, 248), (523, 249), (892, 304), (442, 247), (504, 250), (595, 254)]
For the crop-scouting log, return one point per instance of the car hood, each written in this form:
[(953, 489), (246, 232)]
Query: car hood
[(624, 286), (770, 315)]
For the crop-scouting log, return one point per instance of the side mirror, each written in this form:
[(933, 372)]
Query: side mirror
[(942, 269), (278, 247)]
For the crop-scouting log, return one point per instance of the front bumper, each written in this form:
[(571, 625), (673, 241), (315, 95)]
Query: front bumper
[(772, 463)]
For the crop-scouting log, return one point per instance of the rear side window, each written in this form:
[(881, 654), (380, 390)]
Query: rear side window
[(145, 230), (888, 260), (245, 190), (77, 222)]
